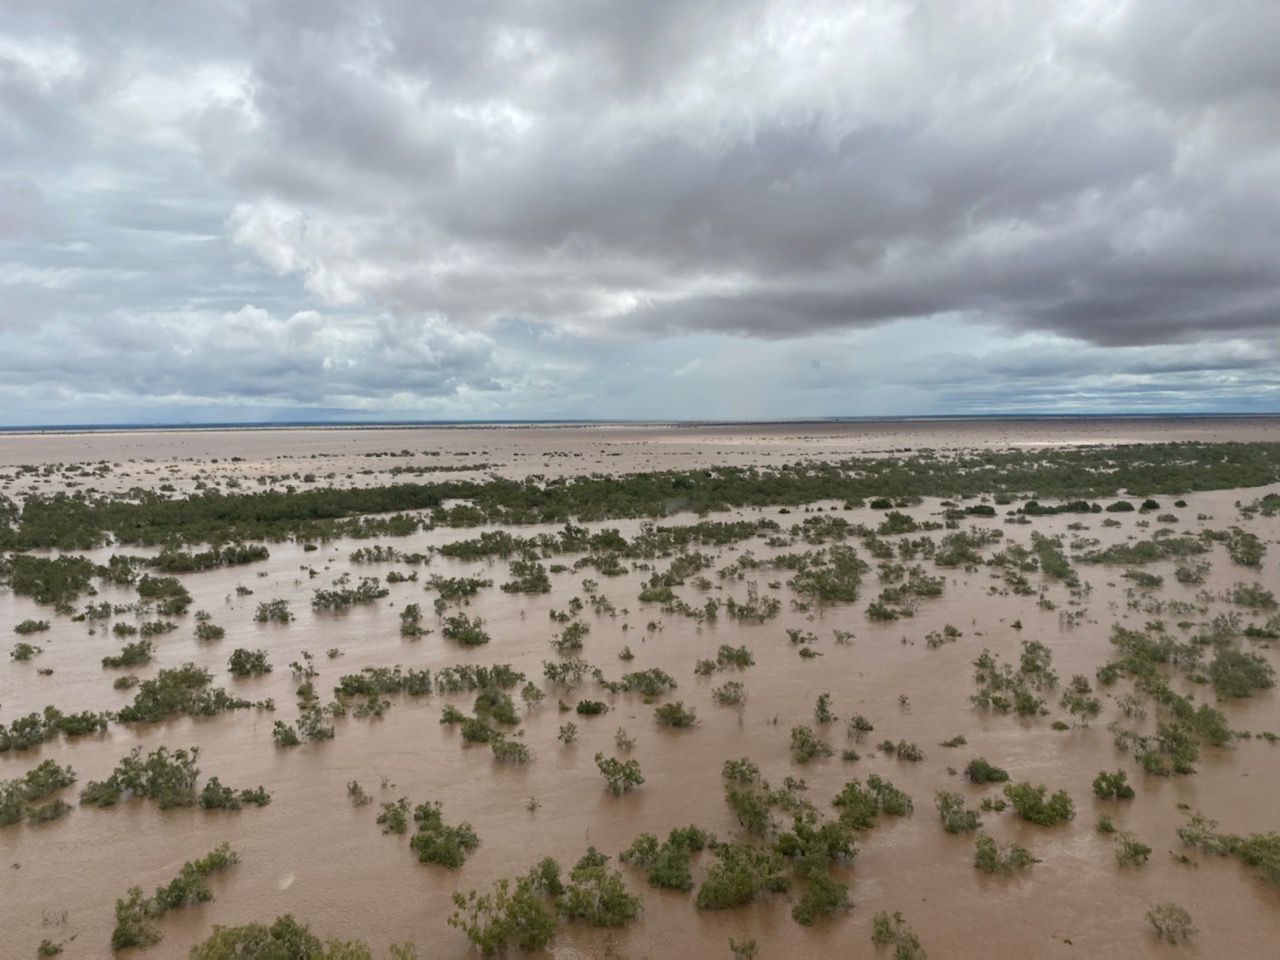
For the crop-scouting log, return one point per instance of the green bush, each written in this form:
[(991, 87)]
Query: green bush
[(894, 932), (25, 651), (1031, 804), (508, 750), (1237, 673), (980, 771), (730, 694), (1112, 786), (822, 897), (394, 817), (596, 895), (492, 921), (675, 715), (1171, 922), (44, 813), (180, 690), (734, 656), (285, 938), (437, 842), (1131, 851), (273, 610), (652, 682), (741, 771), (859, 805), (619, 776), (244, 663), (465, 630), (955, 817), (133, 914), (806, 746), (740, 872), (133, 654), (990, 857), (667, 864), (164, 775)]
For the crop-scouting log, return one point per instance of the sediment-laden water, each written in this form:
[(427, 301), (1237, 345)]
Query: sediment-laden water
[(313, 854)]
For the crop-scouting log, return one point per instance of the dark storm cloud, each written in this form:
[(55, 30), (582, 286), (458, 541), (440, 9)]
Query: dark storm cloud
[(395, 192)]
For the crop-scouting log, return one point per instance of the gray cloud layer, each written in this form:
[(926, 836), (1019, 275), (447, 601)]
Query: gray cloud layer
[(494, 208)]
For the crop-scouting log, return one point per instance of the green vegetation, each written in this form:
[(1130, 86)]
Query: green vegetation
[(273, 611), (675, 715), (728, 656), (1078, 702), (1257, 850), (597, 896), (822, 897), (732, 693), (652, 682), (955, 817), (822, 709), (1171, 922), (667, 864), (991, 857), (368, 590), (133, 654), (376, 681), (182, 690), (493, 921), (894, 932), (168, 777), (1131, 852), (1031, 804), (25, 651), (859, 806), (1001, 688), (411, 621), (215, 796), (465, 630), (394, 817), (18, 796), (806, 746), (168, 593), (436, 842), (247, 663), (980, 771), (1237, 673), (58, 580), (1112, 786), (69, 522), (528, 576), (619, 776), (35, 728), (284, 939), (741, 871), (187, 889)]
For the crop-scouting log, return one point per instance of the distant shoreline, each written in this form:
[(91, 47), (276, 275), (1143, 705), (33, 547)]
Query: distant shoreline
[(63, 429)]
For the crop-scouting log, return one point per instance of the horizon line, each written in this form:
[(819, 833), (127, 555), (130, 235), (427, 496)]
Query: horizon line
[(340, 423)]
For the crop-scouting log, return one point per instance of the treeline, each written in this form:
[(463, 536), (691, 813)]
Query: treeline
[(76, 521)]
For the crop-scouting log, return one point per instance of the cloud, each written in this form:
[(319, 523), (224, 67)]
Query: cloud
[(498, 203)]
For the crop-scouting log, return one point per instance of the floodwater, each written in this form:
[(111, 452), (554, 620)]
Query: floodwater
[(315, 855)]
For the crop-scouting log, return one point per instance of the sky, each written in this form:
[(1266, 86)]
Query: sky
[(264, 210)]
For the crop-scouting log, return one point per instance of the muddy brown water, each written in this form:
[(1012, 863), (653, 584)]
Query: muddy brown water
[(312, 854)]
